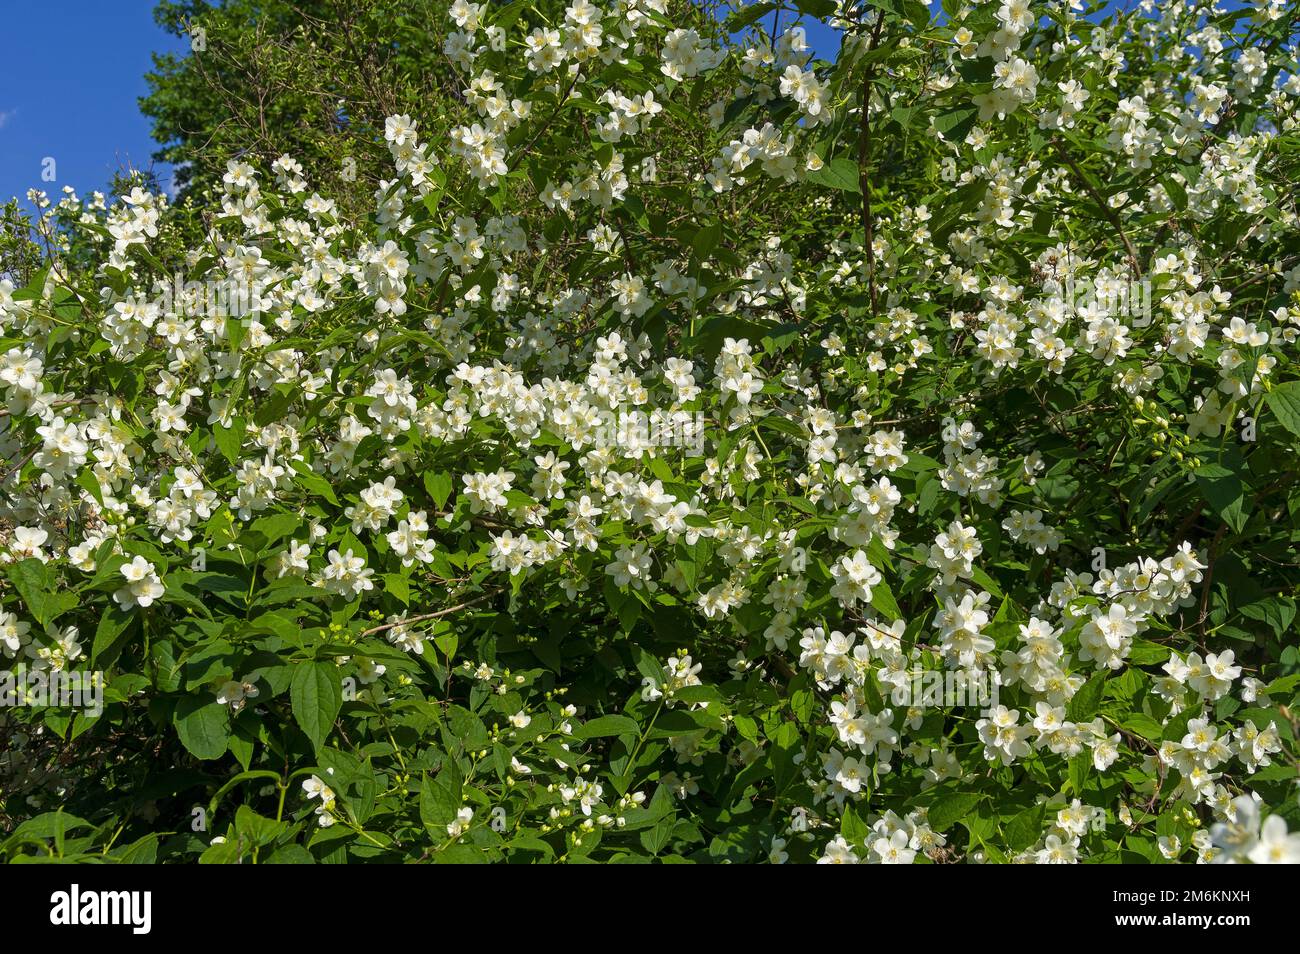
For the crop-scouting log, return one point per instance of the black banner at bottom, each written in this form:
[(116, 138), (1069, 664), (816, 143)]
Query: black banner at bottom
[(140, 905)]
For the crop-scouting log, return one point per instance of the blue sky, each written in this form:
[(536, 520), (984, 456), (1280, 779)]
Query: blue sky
[(70, 77), (824, 40)]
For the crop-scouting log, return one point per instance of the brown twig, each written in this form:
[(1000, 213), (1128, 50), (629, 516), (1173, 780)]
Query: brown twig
[(864, 162), (1106, 210), (428, 616)]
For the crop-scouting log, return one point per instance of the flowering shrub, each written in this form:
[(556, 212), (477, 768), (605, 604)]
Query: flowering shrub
[(704, 452)]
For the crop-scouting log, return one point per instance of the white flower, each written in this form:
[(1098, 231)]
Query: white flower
[(235, 693), (1275, 845), (458, 826), (838, 852), (142, 584), (315, 787)]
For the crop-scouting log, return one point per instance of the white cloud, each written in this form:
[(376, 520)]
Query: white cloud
[(6, 115)]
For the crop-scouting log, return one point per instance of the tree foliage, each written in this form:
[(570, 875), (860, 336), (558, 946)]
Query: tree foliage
[(669, 445)]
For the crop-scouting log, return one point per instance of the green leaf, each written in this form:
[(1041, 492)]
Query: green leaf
[(816, 8), (203, 725), (839, 173), (1223, 491), (49, 825), (1147, 653), (31, 578), (142, 851), (882, 598), (1277, 612), (1284, 402), (398, 587), (440, 799), (706, 240), (607, 725), (313, 482), (87, 479), (655, 839), (1085, 703), (257, 828), (853, 828), (112, 623), (431, 202), (1285, 684), (1176, 727), (750, 14), (983, 579), (950, 809), (955, 124), (439, 487), (291, 855), (277, 525), (1143, 725), (316, 696), (783, 751), (1080, 768), (1025, 828), (1177, 194), (230, 440)]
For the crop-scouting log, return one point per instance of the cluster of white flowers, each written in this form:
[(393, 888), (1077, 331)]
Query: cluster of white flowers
[(686, 55), (1015, 80), (1136, 592), (967, 470), (346, 574), (1028, 527), (678, 673), (142, 584), (774, 154), (893, 840), (1243, 837), (953, 553), (315, 788), (1061, 842)]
